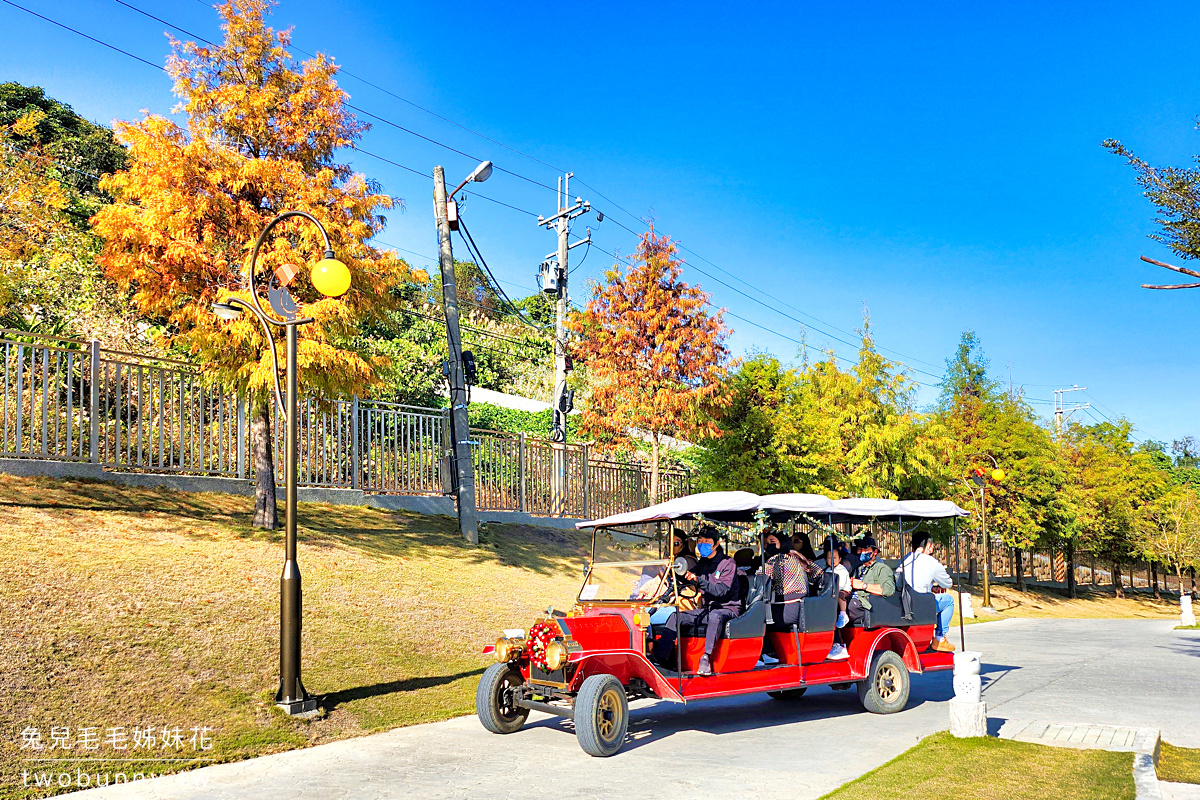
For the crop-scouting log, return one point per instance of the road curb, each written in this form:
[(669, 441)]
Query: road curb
[(1145, 776)]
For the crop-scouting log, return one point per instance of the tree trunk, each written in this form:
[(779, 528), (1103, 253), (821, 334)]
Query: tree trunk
[(653, 468), (1116, 579), (1154, 580), (1070, 553), (265, 513), (1019, 560)]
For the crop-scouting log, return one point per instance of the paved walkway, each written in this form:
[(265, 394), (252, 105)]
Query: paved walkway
[(1115, 672), (1084, 737), (1179, 791)]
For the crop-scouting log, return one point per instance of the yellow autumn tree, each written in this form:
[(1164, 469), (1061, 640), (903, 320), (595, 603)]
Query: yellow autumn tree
[(32, 203), (261, 137), (32, 212)]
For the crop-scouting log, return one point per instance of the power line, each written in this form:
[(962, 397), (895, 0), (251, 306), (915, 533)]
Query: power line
[(768, 306), (1108, 419), (476, 332), (84, 35), (387, 160), (377, 240), (515, 311), (473, 248), (755, 324), (393, 163), (431, 140), (1097, 402), (497, 202)]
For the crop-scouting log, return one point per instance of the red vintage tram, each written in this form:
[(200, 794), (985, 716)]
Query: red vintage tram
[(589, 662)]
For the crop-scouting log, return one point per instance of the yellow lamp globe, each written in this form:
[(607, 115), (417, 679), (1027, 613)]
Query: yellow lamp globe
[(331, 277), (997, 475)]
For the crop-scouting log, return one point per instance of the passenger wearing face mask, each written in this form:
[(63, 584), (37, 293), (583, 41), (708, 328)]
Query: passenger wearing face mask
[(716, 576), (872, 577)]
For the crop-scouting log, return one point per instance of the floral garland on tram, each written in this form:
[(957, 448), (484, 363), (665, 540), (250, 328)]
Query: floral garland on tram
[(541, 635)]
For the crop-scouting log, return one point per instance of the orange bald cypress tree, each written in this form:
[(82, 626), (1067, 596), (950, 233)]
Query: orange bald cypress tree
[(655, 356), (261, 137)]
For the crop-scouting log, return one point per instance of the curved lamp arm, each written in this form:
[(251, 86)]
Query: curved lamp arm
[(262, 320), (995, 463), (258, 245)]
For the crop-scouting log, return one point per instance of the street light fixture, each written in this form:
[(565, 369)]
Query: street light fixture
[(331, 278), (226, 311), (481, 174)]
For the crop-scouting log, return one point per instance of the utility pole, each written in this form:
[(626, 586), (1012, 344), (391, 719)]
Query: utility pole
[(554, 275), (1059, 410), (460, 427)]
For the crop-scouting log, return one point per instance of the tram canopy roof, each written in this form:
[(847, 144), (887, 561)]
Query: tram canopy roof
[(743, 506)]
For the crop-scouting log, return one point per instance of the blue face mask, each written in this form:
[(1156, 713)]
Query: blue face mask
[(704, 549), (864, 558)]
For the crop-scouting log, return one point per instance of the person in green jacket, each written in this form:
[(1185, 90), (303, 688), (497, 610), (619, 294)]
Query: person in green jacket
[(872, 577)]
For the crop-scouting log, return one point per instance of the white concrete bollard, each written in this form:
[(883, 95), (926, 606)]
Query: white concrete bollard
[(967, 683), (967, 611), (968, 713), (1187, 616)]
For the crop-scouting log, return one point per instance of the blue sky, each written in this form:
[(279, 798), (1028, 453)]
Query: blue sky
[(940, 164)]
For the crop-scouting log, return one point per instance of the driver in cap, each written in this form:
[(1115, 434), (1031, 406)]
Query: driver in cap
[(716, 576)]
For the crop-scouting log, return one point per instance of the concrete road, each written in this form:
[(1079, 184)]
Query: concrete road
[(1122, 672)]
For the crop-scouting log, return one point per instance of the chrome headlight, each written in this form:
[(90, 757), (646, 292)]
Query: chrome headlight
[(508, 649), (556, 656)]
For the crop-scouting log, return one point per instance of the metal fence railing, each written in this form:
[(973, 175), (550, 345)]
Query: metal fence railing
[(158, 415), (402, 448), (66, 399), (517, 472), (47, 398)]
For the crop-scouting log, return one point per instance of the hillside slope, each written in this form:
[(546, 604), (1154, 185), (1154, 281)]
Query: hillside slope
[(127, 607)]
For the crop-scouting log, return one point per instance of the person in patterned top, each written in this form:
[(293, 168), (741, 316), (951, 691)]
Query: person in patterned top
[(790, 573)]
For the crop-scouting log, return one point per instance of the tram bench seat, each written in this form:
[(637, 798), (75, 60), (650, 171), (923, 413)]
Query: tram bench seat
[(740, 644), (888, 612)]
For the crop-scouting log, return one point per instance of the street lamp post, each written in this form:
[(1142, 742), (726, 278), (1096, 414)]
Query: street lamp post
[(979, 477), (331, 278)]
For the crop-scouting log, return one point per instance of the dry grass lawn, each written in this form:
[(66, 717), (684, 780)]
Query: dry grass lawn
[(126, 607), (1097, 604)]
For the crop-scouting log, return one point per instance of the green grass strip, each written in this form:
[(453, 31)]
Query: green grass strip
[(994, 769)]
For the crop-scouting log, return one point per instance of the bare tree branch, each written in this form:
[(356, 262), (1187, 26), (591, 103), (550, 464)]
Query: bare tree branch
[(1175, 286), (1184, 270)]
